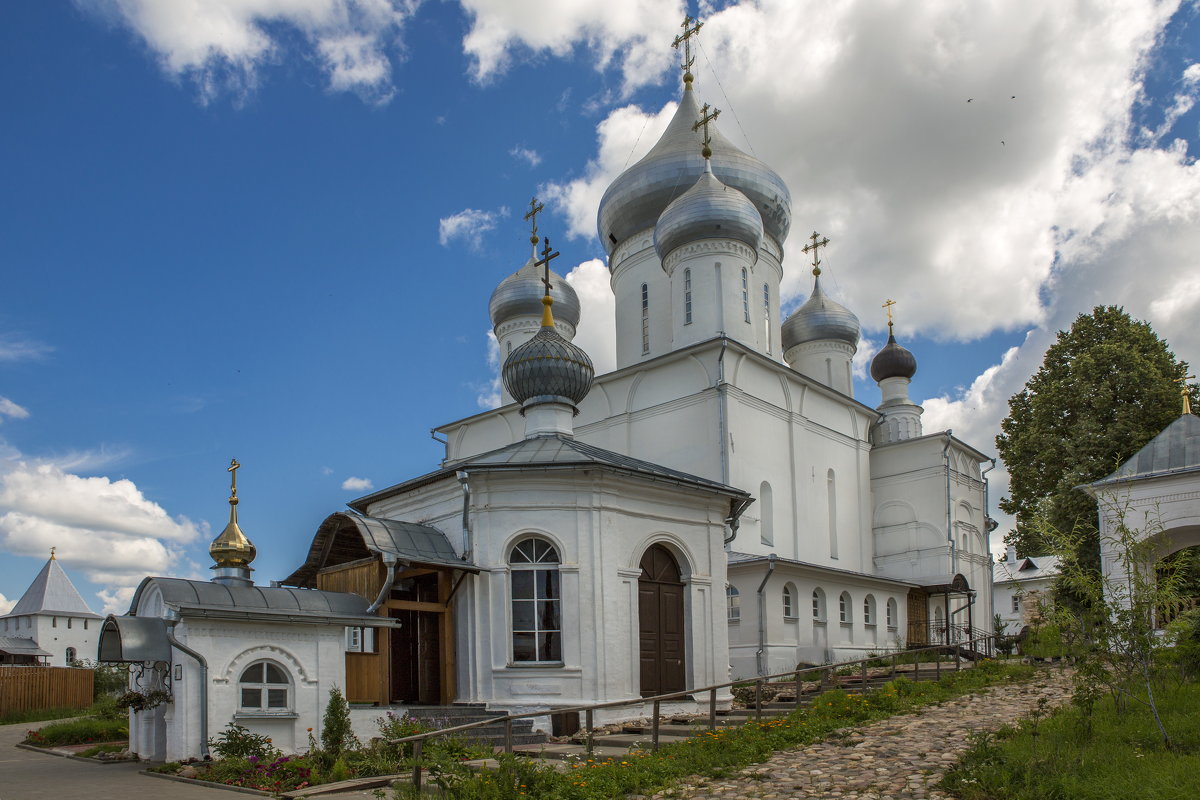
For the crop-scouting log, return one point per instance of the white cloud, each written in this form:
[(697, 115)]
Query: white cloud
[(6, 605), (10, 409), (223, 44), (489, 395), (469, 225), (106, 529), (630, 32), (353, 484), (18, 348), (597, 329), (526, 154)]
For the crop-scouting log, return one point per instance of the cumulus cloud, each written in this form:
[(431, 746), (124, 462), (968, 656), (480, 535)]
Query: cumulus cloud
[(6, 605), (222, 45), (630, 32), (14, 347), (597, 330), (489, 395), (10, 409), (528, 155), (107, 529), (353, 484), (468, 225)]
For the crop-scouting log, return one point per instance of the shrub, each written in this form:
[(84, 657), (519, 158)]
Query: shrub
[(238, 742), (79, 731), (336, 733)]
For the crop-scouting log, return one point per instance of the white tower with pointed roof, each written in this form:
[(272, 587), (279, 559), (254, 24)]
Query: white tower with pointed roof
[(53, 615)]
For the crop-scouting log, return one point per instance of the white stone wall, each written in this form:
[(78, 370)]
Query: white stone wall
[(56, 633)]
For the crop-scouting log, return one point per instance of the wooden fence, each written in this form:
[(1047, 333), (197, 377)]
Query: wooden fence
[(36, 688)]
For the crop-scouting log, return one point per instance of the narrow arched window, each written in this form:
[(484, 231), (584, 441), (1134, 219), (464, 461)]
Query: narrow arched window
[(818, 605), (869, 610), (766, 524), (645, 319), (71, 655), (733, 604), (831, 504), (264, 686), (891, 613), (745, 294), (844, 609), (687, 297), (767, 317), (789, 601), (536, 602)]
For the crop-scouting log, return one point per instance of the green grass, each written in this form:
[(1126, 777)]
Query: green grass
[(79, 731), (714, 754), (41, 715), (92, 752), (1122, 757)]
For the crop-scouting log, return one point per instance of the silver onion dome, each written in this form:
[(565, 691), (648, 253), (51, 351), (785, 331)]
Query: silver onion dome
[(640, 194), (708, 210), (520, 295), (820, 319), (548, 366), (893, 361)]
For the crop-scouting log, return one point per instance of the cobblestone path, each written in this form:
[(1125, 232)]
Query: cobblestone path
[(899, 758)]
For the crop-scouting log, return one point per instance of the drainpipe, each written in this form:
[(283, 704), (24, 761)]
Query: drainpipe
[(733, 521), (386, 589), (949, 523), (989, 525), (468, 544), (762, 615), (171, 623)]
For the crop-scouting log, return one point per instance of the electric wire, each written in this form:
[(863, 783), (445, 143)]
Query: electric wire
[(728, 102)]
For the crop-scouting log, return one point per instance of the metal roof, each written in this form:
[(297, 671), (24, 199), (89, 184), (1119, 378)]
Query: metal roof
[(554, 452), (1025, 569), (736, 559), (20, 646), (346, 537), (1175, 449), (124, 639), (204, 598), (52, 593)]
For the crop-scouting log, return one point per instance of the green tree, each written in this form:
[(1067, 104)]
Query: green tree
[(1105, 388)]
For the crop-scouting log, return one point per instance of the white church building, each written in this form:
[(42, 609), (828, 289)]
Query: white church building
[(717, 506)]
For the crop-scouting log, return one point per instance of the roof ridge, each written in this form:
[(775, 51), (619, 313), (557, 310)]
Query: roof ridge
[(51, 592)]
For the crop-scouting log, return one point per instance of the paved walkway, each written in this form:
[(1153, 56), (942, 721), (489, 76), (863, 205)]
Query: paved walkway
[(899, 758), (26, 775)]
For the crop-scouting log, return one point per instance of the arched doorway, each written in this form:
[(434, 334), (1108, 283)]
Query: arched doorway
[(660, 623)]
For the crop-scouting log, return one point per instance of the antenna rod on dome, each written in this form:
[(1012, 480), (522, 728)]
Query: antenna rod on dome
[(706, 118), (816, 262), (888, 306), (534, 208), (685, 39)]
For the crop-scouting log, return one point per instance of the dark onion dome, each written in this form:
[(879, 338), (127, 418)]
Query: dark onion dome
[(820, 319), (640, 194), (520, 295), (893, 361), (708, 210), (548, 366)]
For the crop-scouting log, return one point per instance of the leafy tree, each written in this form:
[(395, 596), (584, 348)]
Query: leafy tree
[(1105, 388)]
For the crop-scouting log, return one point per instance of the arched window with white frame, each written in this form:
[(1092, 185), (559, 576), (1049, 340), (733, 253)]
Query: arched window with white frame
[(892, 615), (687, 296), (265, 686), (733, 604), (645, 318), (746, 294), (845, 608), (536, 602), (818, 605), (789, 601), (869, 610)]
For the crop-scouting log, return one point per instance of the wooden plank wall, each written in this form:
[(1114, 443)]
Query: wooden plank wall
[(366, 673), (37, 688), (363, 578)]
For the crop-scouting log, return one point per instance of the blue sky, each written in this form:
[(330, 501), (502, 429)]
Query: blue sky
[(231, 232)]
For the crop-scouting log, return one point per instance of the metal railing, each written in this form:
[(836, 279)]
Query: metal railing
[(980, 644), (949, 635)]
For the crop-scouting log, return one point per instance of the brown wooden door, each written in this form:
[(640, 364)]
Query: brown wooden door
[(416, 664), (918, 617), (660, 623)]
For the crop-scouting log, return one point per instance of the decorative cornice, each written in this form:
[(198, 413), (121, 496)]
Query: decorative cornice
[(709, 247)]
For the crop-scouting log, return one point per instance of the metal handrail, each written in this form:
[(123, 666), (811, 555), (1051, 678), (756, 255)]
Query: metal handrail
[(419, 739)]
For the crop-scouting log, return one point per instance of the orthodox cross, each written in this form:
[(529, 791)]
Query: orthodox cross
[(547, 257), (534, 208), (685, 39), (232, 470), (52, 549), (816, 262), (706, 118), (1185, 392), (888, 305)]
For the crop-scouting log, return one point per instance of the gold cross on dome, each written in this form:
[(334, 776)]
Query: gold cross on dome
[(232, 470), (816, 262), (52, 549), (685, 39), (534, 208), (547, 257), (888, 305), (706, 118), (1185, 392)]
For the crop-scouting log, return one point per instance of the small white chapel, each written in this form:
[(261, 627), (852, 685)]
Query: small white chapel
[(718, 506)]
